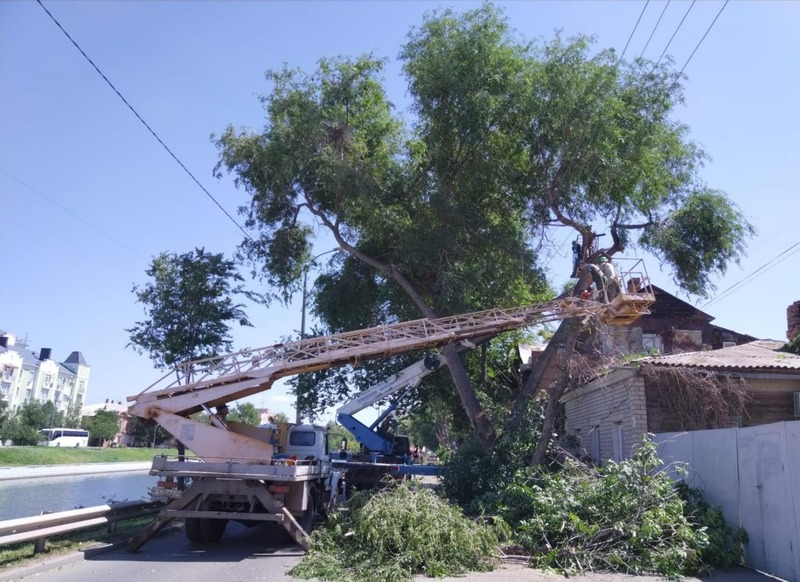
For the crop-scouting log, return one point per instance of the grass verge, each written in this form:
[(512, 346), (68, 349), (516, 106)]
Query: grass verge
[(26, 456)]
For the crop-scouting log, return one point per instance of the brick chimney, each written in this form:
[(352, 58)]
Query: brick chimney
[(793, 320)]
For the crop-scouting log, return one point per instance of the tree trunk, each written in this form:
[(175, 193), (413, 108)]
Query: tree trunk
[(464, 387), (469, 398), (563, 354)]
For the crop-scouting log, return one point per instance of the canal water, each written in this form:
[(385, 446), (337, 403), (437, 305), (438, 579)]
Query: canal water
[(29, 497)]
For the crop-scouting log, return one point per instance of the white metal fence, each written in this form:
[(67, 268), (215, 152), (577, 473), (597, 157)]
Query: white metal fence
[(753, 474)]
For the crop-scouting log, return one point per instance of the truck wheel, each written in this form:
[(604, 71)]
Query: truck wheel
[(212, 529), (203, 530), (308, 519), (191, 526)]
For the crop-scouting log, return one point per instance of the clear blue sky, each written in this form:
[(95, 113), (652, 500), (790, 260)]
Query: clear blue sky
[(87, 196)]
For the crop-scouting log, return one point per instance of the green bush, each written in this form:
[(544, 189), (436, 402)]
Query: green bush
[(724, 549), (474, 474), (625, 517), (395, 534)]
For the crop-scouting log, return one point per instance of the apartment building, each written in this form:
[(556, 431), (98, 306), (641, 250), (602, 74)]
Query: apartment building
[(26, 376)]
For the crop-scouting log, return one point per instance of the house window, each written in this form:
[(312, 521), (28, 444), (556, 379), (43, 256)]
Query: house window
[(594, 443), (48, 380), (618, 441), (651, 342), (8, 372)]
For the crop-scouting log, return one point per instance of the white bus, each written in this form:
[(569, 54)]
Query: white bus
[(64, 437)]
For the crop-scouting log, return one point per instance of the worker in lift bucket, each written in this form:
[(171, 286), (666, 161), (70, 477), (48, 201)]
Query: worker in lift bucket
[(610, 277)]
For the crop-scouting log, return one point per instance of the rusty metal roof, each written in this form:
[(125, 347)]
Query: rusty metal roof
[(757, 355)]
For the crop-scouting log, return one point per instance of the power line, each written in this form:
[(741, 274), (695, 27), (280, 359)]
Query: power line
[(704, 37), (673, 34), (655, 28), (757, 273), (75, 216), (139, 117), (635, 26)]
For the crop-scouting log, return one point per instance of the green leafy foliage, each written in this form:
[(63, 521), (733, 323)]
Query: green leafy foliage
[(23, 426), (793, 346), (189, 307), (394, 534), (724, 548), (474, 476), (245, 412), (146, 432), (701, 237), (627, 517), (104, 425)]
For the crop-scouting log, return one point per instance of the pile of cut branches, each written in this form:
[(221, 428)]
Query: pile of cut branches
[(626, 517), (395, 534)]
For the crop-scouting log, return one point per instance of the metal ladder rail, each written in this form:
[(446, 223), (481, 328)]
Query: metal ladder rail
[(272, 362)]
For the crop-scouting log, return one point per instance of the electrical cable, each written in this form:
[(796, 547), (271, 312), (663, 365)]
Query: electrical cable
[(755, 274), (73, 215), (655, 28), (704, 37), (139, 117), (673, 34), (635, 26)]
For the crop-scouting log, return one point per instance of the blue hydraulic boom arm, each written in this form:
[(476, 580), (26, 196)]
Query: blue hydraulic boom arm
[(367, 436)]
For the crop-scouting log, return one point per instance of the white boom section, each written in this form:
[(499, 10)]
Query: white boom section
[(406, 378), (213, 381)]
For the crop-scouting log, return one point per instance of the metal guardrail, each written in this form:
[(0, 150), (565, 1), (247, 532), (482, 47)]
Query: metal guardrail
[(41, 527)]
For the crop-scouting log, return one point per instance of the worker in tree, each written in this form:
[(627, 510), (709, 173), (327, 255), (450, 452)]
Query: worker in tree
[(577, 254)]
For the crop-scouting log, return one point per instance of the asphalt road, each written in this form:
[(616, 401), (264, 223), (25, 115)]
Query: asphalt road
[(249, 555)]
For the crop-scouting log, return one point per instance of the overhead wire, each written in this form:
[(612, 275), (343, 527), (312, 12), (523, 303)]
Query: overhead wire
[(75, 216), (635, 26), (774, 262), (139, 117), (655, 28), (704, 37), (673, 34)]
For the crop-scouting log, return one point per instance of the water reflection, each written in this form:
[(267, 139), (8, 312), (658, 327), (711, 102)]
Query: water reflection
[(28, 497)]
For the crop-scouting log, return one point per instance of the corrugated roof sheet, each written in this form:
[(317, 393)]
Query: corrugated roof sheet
[(757, 355)]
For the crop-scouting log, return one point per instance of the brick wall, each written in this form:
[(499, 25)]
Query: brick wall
[(607, 405), (793, 320)]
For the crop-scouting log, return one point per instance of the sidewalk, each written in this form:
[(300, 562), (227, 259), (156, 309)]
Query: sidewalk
[(32, 472)]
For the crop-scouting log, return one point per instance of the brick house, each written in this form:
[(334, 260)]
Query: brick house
[(610, 414)]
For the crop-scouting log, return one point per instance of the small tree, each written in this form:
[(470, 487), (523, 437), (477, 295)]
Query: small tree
[(246, 413), (189, 306), (5, 416), (104, 425)]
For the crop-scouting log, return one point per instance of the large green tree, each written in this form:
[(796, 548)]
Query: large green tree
[(189, 304), (424, 220), (509, 140)]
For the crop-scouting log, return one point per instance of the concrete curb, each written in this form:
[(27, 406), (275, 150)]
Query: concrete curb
[(32, 472)]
